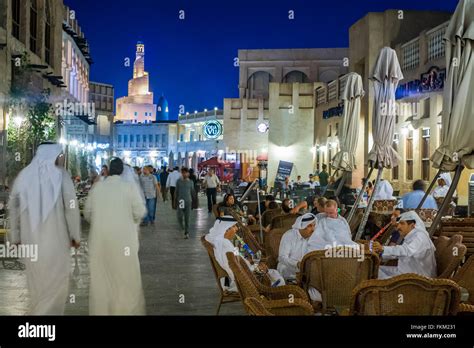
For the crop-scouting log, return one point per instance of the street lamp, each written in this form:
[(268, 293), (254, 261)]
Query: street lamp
[(18, 120)]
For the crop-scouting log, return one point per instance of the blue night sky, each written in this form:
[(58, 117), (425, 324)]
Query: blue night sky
[(191, 61)]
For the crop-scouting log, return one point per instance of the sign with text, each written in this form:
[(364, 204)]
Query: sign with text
[(284, 170), (212, 129)]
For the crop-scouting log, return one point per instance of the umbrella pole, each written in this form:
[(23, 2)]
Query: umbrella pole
[(260, 214), (360, 231), (429, 189), (359, 196), (341, 184), (447, 199)]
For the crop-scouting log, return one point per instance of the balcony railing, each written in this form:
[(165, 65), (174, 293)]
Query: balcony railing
[(332, 90), (321, 96), (200, 116), (342, 85)]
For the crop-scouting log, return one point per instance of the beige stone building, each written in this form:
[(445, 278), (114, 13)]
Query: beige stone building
[(273, 114), (33, 27), (417, 38)]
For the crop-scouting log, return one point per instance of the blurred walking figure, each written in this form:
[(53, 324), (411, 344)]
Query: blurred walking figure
[(193, 177), (184, 199), (212, 183), (151, 189), (163, 178), (171, 182), (45, 213), (114, 209)]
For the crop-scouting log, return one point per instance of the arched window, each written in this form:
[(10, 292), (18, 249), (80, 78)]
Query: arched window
[(33, 25), (258, 85), (295, 76)]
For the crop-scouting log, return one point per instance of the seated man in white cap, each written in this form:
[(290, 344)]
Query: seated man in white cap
[(416, 253), (293, 245), (221, 236), (332, 230)]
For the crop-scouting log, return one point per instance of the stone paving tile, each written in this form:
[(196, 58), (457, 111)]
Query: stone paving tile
[(171, 266)]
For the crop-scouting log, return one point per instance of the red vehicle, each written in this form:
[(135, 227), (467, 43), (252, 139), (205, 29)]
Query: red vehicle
[(224, 170)]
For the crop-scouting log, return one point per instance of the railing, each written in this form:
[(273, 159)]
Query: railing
[(342, 85), (332, 90), (321, 96), (202, 115), (411, 54), (435, 41)]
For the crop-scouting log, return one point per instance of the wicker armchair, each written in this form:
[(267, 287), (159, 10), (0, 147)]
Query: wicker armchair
[(268, 216), (406, 294), (335, 273), (219, 272), (464, 227), (465, 309), (279, 301), (449, 254), (255, 307), (284, 221), (215, 210), (465, 278), (272, 246)]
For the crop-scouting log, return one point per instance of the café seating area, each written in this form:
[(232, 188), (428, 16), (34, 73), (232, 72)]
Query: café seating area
[(349, 285)]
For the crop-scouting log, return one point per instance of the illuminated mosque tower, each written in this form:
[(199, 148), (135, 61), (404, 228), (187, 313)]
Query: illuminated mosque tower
[(138, 106)]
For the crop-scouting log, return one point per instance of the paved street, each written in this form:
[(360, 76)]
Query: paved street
[(174, 270)]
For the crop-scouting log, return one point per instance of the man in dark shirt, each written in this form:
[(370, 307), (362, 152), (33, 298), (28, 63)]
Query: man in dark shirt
[(323, 179), (163, 177), (184, 198)]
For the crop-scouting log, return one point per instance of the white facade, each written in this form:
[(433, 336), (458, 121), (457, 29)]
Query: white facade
[(141, 144)]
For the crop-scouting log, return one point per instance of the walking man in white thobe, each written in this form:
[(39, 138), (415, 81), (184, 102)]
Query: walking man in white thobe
[(114, 208), (44, 212)]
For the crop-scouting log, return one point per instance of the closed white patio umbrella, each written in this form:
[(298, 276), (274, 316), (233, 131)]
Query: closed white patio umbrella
[(456, 150), (344, 160), (386, 76)]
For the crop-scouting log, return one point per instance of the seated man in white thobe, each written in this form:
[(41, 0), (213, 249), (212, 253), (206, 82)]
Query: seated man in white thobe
[(416, 253), (383, 191), (332, 230), (441, 190), (293, 245), (220, 236)]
